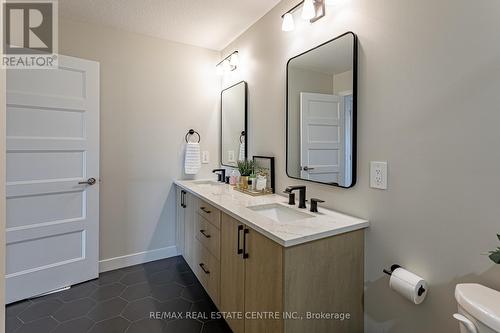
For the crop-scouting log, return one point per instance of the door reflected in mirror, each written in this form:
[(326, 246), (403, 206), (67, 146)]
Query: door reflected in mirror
[(321, 113), (234, 124)]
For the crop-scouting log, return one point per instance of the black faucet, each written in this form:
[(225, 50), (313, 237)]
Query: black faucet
[(221, 177), (302, 195), (314, 204)]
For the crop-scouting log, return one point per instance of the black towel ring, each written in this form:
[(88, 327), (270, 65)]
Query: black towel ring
[(192, 132), (241, 136)]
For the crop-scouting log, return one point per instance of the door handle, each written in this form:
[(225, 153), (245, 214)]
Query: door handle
[(204, 234), (90, 181), (245, 253), (202, 265), (239, 250), (205, 210), (306, 168)]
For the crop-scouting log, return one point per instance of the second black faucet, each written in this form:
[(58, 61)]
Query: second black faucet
[(302, 195)]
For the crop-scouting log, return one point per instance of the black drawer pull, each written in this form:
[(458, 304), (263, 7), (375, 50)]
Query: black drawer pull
[(239, 250), (183, 199), (205, 210), (204, 234), (202, 265), (245, 253)]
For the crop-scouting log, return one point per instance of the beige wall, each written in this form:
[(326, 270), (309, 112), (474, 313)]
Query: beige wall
[(152, 92), (429, 77)]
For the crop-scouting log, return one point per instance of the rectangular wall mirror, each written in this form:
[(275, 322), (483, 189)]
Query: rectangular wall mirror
[(234, 124), (321, 113)]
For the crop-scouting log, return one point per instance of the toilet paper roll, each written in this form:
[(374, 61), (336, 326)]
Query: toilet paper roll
[(410, 286)]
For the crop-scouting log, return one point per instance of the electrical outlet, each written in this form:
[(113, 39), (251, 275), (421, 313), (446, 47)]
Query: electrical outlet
[(205, 157), (378, 175)]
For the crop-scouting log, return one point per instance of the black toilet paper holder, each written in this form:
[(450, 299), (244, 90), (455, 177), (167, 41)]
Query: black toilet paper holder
[(393, 268), (420, 291)]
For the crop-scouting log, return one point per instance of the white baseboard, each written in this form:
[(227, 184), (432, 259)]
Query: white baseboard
[(137, 258)]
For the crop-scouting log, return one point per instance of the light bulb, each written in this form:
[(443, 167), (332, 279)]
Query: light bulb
[(234, 60), (288, 24), (308, 10)]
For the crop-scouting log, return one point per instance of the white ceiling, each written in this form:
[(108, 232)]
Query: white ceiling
[(211, 24)]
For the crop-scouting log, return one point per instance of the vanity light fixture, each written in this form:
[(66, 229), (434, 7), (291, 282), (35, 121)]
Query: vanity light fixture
[(312, 10), (228, 64)]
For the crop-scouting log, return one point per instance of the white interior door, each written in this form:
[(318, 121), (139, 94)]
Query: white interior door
[(52, 146), (321, 135)]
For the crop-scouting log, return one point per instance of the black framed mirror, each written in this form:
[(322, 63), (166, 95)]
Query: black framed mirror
[(321, 100), (234, 129)]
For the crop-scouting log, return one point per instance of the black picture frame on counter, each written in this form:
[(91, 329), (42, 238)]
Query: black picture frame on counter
[(266, 162)]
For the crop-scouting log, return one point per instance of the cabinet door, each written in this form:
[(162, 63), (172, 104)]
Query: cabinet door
[(189, 236), (179, 220), (232, 277), (263, 282)]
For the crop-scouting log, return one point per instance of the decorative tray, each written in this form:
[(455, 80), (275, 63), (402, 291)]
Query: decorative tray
[(254, 193)]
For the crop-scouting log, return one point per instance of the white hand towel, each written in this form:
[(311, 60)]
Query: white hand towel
[(192, 162), (241, 155)]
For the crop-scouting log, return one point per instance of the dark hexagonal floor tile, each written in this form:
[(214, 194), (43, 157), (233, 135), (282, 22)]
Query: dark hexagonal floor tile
[(12, 324), (77, 292), (147, 326), (107, 309), (134, 277), (185, 279), (159, 265), (107, 291), (175, 305), (184, 326), (14, 309), (194, 293), (162, 277), (40, 310), (182, 267), (216, 326), (114, 325), (75, 309), (166, 291), (110, 277), (141, 309), (204, 309), (46, 324), (78, 325), (136, 291)]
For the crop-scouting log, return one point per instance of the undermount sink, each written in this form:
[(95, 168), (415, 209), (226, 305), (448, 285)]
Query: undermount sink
[(207, 182), (280, 213)]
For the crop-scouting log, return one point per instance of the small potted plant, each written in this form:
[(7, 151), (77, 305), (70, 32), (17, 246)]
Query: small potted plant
[(245, 167), (495, 254)]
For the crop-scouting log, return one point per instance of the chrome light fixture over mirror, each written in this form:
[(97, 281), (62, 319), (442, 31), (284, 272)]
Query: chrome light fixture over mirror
[(312, 10), (321, 113)]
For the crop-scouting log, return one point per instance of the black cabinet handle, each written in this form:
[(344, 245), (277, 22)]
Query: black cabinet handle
[(183, 199), (205, 210), (239, 250), (245, 253), (202, 265), (204, 234)]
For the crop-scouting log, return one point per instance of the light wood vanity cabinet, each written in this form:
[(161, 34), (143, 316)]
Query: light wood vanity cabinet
[(251, 278), (248, 273)]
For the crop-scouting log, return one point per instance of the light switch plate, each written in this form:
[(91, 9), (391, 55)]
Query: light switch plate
[(205, 157), (378, 175)]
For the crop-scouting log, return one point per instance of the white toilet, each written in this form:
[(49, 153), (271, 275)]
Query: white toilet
[(478, 308)]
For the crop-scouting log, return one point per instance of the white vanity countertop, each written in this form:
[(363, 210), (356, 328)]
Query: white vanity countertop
[(324, 224)]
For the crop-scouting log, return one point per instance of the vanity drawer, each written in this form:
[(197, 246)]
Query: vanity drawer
[(207, 269), (208, 235), (209, 212)]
